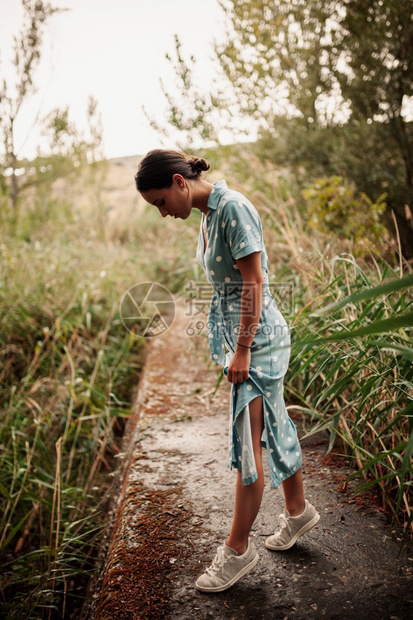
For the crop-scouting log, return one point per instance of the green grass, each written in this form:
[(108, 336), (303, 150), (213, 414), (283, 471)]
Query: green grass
[(351, 366), (68, 373), (68, 376), (352, 372)]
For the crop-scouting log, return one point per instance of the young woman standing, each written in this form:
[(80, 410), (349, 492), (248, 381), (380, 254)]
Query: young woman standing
[(250, 338)]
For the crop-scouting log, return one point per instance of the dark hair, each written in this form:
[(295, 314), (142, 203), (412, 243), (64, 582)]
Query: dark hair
[(156, 169)]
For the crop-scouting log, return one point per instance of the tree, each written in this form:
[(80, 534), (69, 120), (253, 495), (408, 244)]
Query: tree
[(274, 57), (375, 38), (346, 67), (92, 148), (329, 81), (27, 46), (68, 150), (191, 114)]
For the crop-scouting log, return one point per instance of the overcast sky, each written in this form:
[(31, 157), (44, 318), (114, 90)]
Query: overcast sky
[(115, 51)]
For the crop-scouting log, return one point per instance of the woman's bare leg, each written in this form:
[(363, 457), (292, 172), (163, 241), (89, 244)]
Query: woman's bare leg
[(248, 497), (294, 493)]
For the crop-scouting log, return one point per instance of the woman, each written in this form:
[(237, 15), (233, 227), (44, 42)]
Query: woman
[(250, 338)]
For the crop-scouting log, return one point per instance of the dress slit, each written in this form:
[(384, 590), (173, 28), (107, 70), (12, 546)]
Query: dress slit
[(279, 435)]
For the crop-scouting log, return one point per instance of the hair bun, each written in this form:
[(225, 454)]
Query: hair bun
[(198, 164)]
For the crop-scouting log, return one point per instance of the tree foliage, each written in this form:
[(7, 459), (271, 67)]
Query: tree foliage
[(338, 64), (375, 39), (333, 205), (27, 52), (67, 149), (274, 56), (194, 114), (329, 83)]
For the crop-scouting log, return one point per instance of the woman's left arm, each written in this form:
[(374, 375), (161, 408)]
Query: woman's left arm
[(251, 304)]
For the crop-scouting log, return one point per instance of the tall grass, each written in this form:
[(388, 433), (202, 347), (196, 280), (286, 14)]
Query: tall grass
[(68, 370), (352, 372), (68, 376), (351, 366)]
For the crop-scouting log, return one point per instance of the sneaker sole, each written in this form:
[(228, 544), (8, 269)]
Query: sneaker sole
[(292, 542), (245, 570)]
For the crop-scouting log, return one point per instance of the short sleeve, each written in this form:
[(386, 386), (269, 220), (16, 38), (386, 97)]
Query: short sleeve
[(242, 228)]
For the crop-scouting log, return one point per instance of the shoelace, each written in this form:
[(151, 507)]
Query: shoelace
[(219, 561), (284, 525)]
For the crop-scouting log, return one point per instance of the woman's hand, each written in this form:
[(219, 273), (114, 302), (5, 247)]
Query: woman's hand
[(238, 369)]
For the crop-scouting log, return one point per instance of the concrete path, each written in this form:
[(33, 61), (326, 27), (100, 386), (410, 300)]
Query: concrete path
[(176, 503)]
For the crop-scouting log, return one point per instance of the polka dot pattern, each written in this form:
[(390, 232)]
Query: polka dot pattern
[(234, 231)]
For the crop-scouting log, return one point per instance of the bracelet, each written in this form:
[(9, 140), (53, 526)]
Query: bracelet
[(244, 345)]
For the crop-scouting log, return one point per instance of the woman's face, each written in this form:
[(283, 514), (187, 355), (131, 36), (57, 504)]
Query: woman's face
[(173, 201)]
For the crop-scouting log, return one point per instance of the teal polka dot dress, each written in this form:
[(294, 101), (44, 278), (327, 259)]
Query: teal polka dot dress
[(234, 230)]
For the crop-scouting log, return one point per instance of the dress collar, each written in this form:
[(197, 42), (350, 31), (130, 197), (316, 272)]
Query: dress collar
[(217, 191)]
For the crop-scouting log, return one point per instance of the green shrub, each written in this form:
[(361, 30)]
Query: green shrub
[(334, 206)]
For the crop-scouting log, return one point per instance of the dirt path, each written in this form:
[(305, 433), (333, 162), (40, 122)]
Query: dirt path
[(175, 508)]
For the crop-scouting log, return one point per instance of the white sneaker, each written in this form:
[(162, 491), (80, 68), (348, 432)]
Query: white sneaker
[(226, 568), (291, 528)]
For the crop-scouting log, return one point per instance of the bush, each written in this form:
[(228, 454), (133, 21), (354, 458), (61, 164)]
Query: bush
[(333, 206)]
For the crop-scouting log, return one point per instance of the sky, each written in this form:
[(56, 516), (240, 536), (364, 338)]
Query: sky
[(115, 51)]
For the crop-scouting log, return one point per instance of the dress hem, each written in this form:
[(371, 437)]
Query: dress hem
[(245, 481)]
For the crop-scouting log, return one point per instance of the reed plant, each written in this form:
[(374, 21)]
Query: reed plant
[(351, 368), (68, 377), (352, 373), (68, 374)]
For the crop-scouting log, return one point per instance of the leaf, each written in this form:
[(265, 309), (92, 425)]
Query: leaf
[(405, 468), (391, 286), (406, 352), (14, 531), (375, 327)]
